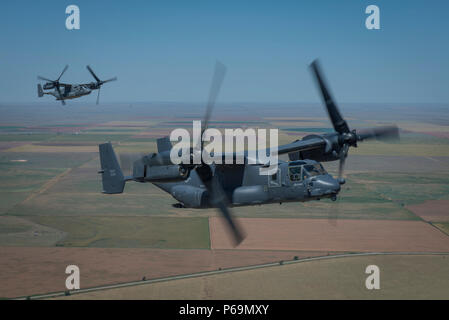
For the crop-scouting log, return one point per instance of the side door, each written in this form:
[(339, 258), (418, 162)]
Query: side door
[(295, 187), (274, 185), (66, 91), (274, 180)]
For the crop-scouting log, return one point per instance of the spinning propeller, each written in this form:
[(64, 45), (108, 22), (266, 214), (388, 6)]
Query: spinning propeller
[(347, 138), (99, 82), (217, 196), (211, 181), (55, 83)]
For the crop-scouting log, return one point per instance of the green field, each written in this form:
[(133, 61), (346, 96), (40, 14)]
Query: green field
[(135, 232), (20, 179), (403, 188), (43, 160)]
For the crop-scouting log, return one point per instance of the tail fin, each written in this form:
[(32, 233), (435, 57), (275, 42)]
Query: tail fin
[(163, 144), (111, 174), (40, 92)]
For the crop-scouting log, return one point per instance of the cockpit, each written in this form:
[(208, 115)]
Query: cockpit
[(300, 170)]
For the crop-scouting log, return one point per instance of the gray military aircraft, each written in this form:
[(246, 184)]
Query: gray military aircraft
[(303, 178), (71, 91)]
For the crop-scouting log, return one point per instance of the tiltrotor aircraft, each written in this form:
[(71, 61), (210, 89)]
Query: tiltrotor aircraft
[(71, 91), (222, 186)]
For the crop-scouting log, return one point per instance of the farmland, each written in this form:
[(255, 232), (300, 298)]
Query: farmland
[(395, 199)]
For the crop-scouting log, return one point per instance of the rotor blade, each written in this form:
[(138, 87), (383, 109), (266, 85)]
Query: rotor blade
[(341, 164), (219, 200), (238, 236), (98, 95), (60, 95), (337, 120), (334, 210), (65, 69), (217, 80), (109, 80), (385, 133), (93, 74), (45, 79)]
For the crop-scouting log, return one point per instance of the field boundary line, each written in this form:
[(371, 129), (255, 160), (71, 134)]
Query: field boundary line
[(47, 185)]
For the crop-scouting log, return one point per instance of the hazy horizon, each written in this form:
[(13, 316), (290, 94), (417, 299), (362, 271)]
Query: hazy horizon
[(164, 51)]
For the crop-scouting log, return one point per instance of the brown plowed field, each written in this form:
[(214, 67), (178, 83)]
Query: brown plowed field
[(26, 271), (432, 210), (402, 277), (320, 235)]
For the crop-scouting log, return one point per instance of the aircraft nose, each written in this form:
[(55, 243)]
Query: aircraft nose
[(337, 186), (325, 185), (333, 185)]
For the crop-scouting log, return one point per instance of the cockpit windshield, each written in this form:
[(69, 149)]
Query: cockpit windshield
[(314, 169), (300, 172)]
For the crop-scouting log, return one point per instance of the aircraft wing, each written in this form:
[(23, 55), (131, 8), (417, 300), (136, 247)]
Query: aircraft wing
[(302, 145), (65, 85)]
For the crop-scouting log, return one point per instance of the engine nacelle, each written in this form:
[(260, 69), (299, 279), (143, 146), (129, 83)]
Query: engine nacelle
[(318, 155), (329, 152), (190, 196), (48, 86)]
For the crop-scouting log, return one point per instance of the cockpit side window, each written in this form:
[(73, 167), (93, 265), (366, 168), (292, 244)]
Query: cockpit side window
[(304, 174), (314, 169), (294, 173)]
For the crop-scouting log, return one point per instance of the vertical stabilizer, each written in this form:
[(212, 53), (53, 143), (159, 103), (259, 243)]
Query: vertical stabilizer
[(111, 174), (40, 92), (163, 144)]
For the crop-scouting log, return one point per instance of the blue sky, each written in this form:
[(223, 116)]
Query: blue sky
[(165, 50)]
